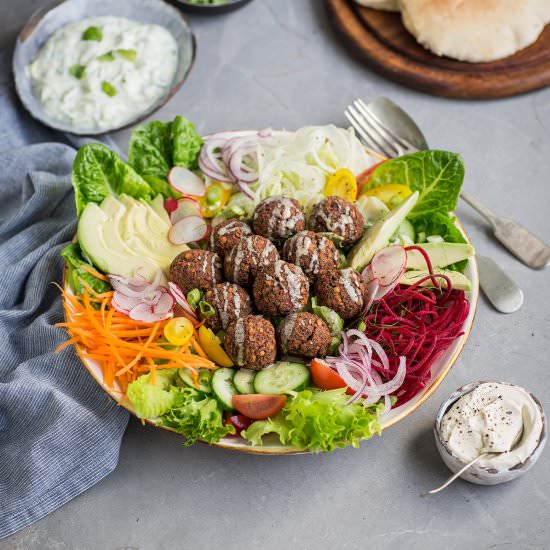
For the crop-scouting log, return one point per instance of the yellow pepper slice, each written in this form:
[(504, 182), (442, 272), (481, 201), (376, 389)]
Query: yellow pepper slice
[(178, 331), (341, 184), (212, 347), (390, 194), (216, 197)]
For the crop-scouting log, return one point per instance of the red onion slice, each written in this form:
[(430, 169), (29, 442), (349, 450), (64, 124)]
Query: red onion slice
[(186, 182), (188, 230)]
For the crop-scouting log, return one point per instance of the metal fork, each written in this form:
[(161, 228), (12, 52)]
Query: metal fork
[(501, 291), (379, 137)]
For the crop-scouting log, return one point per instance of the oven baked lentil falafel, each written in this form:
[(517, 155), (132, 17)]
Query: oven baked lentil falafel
[(278, 218), (338, 216), (312, 252), (250, 342), (342, 290), (280, 288), (251, 253), (304, 334), (197, 268), (230, 302), (227, 234)]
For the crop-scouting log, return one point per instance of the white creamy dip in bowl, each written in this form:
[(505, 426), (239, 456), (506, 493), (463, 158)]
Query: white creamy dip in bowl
[(90, 86), (489, 416)]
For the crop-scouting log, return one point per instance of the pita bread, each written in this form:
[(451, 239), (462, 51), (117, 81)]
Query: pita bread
[(475, 30), (388, 5)]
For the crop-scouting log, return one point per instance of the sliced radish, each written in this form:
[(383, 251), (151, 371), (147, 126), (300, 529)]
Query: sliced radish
[(165, 304), (123, 303), (181, 300), (170, 205), (186, 182), (188, 230), (185, 207), (388, 264)]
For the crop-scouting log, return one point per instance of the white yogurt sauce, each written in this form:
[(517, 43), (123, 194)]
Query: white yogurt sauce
[(490, 419), (101, 84)]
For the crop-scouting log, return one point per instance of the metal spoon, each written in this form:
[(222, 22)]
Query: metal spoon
[(502, 292), (455, 476)]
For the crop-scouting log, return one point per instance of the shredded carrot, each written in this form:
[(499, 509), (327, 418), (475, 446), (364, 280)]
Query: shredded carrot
[(124, 348), (95, 273)]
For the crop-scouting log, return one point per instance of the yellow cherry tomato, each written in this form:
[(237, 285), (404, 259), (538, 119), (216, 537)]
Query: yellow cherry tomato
[(216, 197), (212, 347), (178, 331), (391, 194), (342, 184)]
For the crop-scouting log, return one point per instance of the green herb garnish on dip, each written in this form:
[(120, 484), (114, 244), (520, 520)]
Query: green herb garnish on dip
[(109, 89), (78, 71), (92, 33), (106, 57), (129, 55)]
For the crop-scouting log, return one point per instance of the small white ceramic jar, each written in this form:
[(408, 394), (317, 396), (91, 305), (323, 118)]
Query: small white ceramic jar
[(483, 474)]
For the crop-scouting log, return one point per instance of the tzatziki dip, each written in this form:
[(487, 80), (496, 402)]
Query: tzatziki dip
[(493, 418), (101, 72)]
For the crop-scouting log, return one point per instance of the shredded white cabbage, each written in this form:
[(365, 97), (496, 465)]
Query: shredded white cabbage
[(296, 164)]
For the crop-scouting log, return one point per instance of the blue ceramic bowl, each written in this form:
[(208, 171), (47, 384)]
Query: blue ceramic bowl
[(46, 21)]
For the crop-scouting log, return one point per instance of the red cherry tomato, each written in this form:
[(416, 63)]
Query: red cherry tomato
[(259, 406), (324, 377), (239, 422), (364, 177)]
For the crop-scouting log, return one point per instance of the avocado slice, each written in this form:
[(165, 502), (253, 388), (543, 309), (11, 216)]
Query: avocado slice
[(377, 236), (458, 280), (441, 254), (124, 236)]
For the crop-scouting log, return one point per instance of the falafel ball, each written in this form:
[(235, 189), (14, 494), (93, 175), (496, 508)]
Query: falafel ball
[(336, 215), (312, 252), (227, 234), (230, 302), (250, 342), (278, 218), (251, 253), (280, 288), (342, 290), (304, 334), (200, 269)]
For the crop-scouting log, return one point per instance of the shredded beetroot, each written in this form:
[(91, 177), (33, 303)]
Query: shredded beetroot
[(419, 323)]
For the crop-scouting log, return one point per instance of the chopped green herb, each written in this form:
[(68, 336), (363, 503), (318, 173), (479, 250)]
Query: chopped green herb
[(106, 57), (194, 297), (78, 71), (213, 195), (92, 33), (206, 309), (129, 55), (109, 89)]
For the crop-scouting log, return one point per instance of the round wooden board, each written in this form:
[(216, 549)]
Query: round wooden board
[(382, 41)]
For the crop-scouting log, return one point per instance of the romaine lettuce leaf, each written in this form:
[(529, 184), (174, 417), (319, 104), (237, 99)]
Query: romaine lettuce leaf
[(186, 143), (436, 175), (319, 421), (98, 172), (196, 416), (155, 147), (79, 277), (152, 399)]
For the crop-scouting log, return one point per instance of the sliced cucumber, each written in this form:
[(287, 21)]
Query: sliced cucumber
[(223, 387), (282, 377), (186, 377), (244, 380)]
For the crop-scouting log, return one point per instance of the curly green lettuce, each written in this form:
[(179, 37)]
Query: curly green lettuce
[(153, 399), (196, 416), (319, 421)]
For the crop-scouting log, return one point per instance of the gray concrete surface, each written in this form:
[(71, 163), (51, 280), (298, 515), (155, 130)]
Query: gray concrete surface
[(277, 63)]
